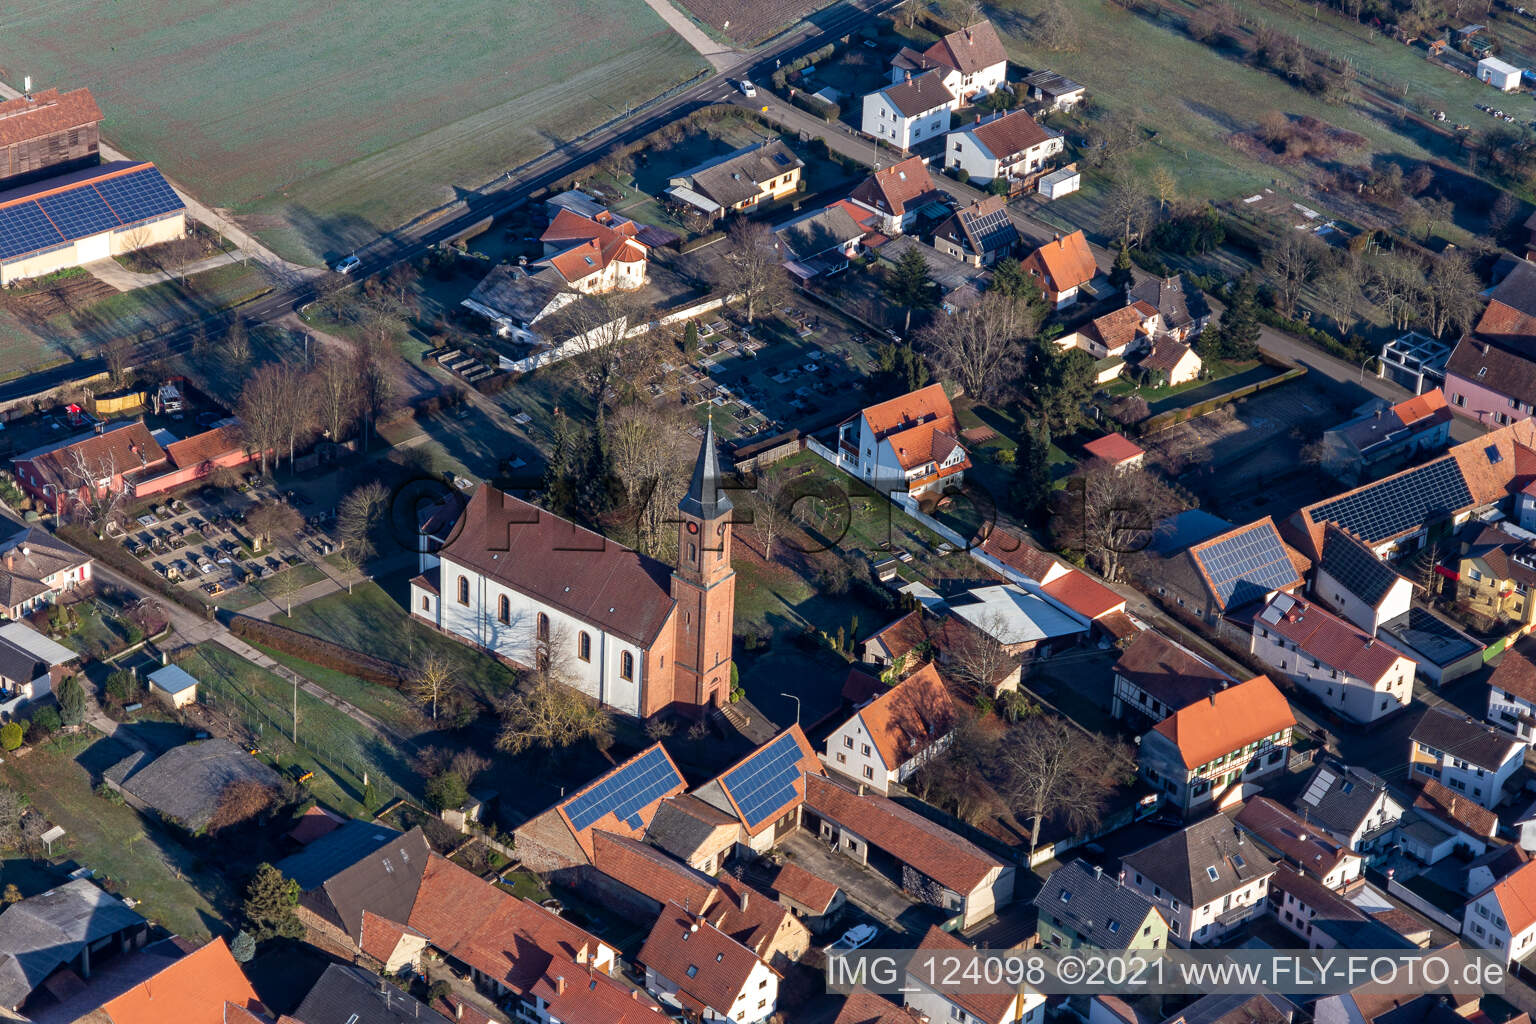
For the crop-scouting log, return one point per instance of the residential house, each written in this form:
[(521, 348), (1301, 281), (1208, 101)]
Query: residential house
[(1502, 919), (820, 242), (967, 1004), (623, 802), (346, 994), (758, 921), (979, 234), (1207, 879), (638, 880), (1347, 669), (1288, 838), (641, 637), (739, 180), (359, 867), (1441, 822), (928, 861), (1496, 574), (1116, 335), (1006, 145), (1211, 750), (1212, 1009), (597, 253), (1056, 92), (910, 111), (87, 467), (1182, 311), (73, 928), (1230, 576), (695, 833), (1353, 583), (918, 637), (31, 665), (1156, 676), (971, 62), (1322, 918), (896, 194), (1387, 435), (1495, 864), (1083, 906), (711, 975), (1115, 451), (1011, 556), (1489, 377), (908, 446), (890, 738), (1350, 804), (205, 986), (1469, 757), (1512, 692), (1169, 363), (764, 791), (36, 568), (1062, 267), (1101, 605), (1024, 623), (865, 1007)]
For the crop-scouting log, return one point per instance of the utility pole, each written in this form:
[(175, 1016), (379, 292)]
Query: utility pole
[(295, 710)]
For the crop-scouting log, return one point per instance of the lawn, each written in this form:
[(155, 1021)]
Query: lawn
[(141, 859), (389, 706), (373, 620), (331, 744), (324, 124), (272, 589)]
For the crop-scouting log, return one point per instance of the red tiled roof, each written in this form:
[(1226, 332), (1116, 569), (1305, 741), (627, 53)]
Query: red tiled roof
[(907, 718), (575, 994), (194, 990), (610, 822), (890, 189), (970, 49), (1166, 355), (650, 871), (1456, 810), (1503, 321), (558, 563), (46, 113), (1018, 554), (1114, 448), (748, 915), (810, 891), (865, 1007), (204, 447), (314, 823), (957, 864), (1227, 720), (1167, 671), (592, 243), (125, 448), (1328, 638), (1119, 328), (461, 1012), (988, 1006), (380, 936), (1516, 672), (1012, 133), (920, 425), (919, 94), (1412, 410), (1119, 625), (1066, 262), (1303, 845), (1084, 594), (1516, 894), (721, 966)]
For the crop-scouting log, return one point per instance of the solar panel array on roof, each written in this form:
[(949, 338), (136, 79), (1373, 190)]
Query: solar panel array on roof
[(1355, 566), (993, 229), (85, 208), (1246, 566), (1400, 503), (764, 783), (625, 791)]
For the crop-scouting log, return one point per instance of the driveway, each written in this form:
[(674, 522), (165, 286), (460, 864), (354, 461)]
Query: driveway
[(866, 888)]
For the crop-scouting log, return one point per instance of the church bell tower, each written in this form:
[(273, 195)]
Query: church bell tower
[(704, 586)]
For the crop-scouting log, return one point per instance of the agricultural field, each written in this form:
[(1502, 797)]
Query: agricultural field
[(318, 128), (748, 22)]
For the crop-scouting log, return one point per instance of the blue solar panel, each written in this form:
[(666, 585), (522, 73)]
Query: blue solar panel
[(83, 209), (625, 791), (764, 784), (1247, 566), (1400, 503), (78, 213)]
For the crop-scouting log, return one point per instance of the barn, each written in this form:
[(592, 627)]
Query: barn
[(88, 215)]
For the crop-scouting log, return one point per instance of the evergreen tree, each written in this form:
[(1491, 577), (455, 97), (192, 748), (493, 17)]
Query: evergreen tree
[(691, 340), (242, 947), (1065, 382), (1121, 275), (269, 902), (1240, 326), (908, 283), (72, 703), (1031, 484)]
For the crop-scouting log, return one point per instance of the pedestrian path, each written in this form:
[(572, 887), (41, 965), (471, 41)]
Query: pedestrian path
[(719, 55), (124, 280)]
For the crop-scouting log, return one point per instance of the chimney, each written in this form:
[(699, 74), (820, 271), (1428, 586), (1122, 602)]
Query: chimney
[(743, 900), (1098, 872), (968, 38), (458, 1010), (559, 984), (634, 994), (10, 560), (1212, 699)]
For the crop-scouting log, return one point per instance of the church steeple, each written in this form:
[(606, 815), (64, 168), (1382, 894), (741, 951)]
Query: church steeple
[(706, 499)]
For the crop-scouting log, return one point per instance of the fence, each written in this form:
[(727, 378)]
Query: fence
[(578, 344), (1164, 420), (1423, 906)]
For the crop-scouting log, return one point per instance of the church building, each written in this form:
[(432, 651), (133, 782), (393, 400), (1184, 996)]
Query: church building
[(637, 635)]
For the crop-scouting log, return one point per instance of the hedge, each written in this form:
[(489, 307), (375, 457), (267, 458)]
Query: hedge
[(813, 104), (121, 561), (319, 652), (1167, 419), (1321, 338)]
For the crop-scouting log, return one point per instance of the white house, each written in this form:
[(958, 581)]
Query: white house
[(1010, 145), (29, 663), (909, 112), (963, 1004), (691, 962), (1512, 693), (1502, 919), (896, 193), (1286, 836), (971, 62), (908, 445), (1208, 879), (1352, 582), (1467, 757), (1351, 804), (1345, 668), (1503, 77), (894, 735)]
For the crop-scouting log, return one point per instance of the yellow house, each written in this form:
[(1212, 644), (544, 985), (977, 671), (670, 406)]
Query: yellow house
[(740, 180), (1495, 576)]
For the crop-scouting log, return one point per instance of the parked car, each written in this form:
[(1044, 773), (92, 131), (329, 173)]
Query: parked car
[(857, 937), (347, 264)]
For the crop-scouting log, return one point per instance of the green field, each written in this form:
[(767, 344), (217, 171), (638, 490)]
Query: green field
[(325, 123)]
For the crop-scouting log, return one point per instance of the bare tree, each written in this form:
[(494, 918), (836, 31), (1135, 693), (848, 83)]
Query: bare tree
[(274, 520), (237, 342), (981, 346), (1337, 291), (976, 657), (1164, 186), (1109, 513), (649, 450), (755, 267), (334, 387), (298, 422), (956, 780), (1291, 263), (1397, 286), (1126, 211), (264, 408), (548, 712), (117, 353), (599, 329), (241, 801), (92, 485), (371, 365), (358, 516), (1450, 293), (1055, 768), (1056, 28), (433, 681), (766, 502)]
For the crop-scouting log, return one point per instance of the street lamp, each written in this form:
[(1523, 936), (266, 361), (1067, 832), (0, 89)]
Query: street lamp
[(797, 705), (1363, 366)]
